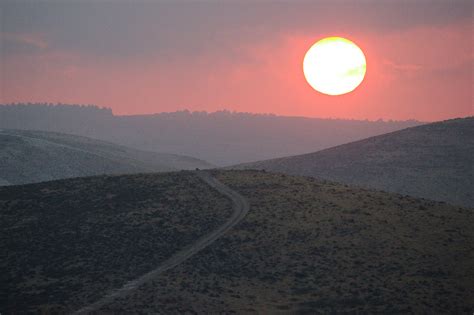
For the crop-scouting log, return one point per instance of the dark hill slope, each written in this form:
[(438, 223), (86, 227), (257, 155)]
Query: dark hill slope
[(306, 246), (434, 161), (316, 247), (34, 156), (64, 244)]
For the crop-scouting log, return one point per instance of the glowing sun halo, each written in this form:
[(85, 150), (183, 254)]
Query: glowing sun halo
[(334, 66)]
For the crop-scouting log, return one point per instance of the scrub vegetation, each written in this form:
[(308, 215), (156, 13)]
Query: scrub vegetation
[(433, 161), (311, 246), (64, 244), (306, 246)]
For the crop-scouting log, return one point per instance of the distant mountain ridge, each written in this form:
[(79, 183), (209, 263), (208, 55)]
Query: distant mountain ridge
[(222, 138), (434, 161), (35, 156)]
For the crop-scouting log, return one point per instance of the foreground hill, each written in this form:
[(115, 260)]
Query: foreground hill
[(306, 246), (34, 156), (434, 161), (65, 243), (222, 138)]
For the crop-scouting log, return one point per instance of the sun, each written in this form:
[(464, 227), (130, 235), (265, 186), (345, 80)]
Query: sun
[(334, 66)]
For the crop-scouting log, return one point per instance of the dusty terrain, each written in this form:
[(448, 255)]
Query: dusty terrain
[(434, 161), (305, 246), (240, 209), (310, 246), (64, 244)]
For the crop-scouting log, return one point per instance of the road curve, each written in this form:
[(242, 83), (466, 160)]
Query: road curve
[(240, 209)]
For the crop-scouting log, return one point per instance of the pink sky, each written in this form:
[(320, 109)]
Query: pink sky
[(422, 72)]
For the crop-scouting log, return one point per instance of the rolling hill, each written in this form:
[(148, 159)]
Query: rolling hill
[(222, 138), (305, 246), (67, 242), (34, 156), (433, 161)]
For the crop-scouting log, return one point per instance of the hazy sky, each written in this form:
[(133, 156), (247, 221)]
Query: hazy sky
[(147, 57)]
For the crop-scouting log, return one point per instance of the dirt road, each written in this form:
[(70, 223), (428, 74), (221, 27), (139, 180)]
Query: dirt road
[(240, 209)]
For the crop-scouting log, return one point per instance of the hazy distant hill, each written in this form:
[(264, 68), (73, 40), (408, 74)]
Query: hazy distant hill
[(222, 138), (434, 161), (306, 246), (34, 156)]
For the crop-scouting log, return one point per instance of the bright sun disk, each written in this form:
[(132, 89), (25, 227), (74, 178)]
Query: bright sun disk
[(334, 66)]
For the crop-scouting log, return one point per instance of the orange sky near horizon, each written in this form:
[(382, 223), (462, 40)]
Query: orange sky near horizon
[(422, 72)]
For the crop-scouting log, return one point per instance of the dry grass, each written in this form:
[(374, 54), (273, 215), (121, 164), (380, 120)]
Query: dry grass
[(310, 246), (306, 246), (63, 244)]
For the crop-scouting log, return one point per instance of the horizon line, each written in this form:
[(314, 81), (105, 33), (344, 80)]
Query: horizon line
[(223, 110)]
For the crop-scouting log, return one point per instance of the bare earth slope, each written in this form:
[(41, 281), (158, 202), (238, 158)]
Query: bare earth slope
[(316, 247), (34, 156), (434, 161)]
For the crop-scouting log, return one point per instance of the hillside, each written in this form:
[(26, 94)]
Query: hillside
[(434, 161), (34, 156), (221, 138), (64, 243), (306, 246)]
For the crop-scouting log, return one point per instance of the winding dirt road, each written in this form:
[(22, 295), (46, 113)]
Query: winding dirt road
[(240, 207)]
